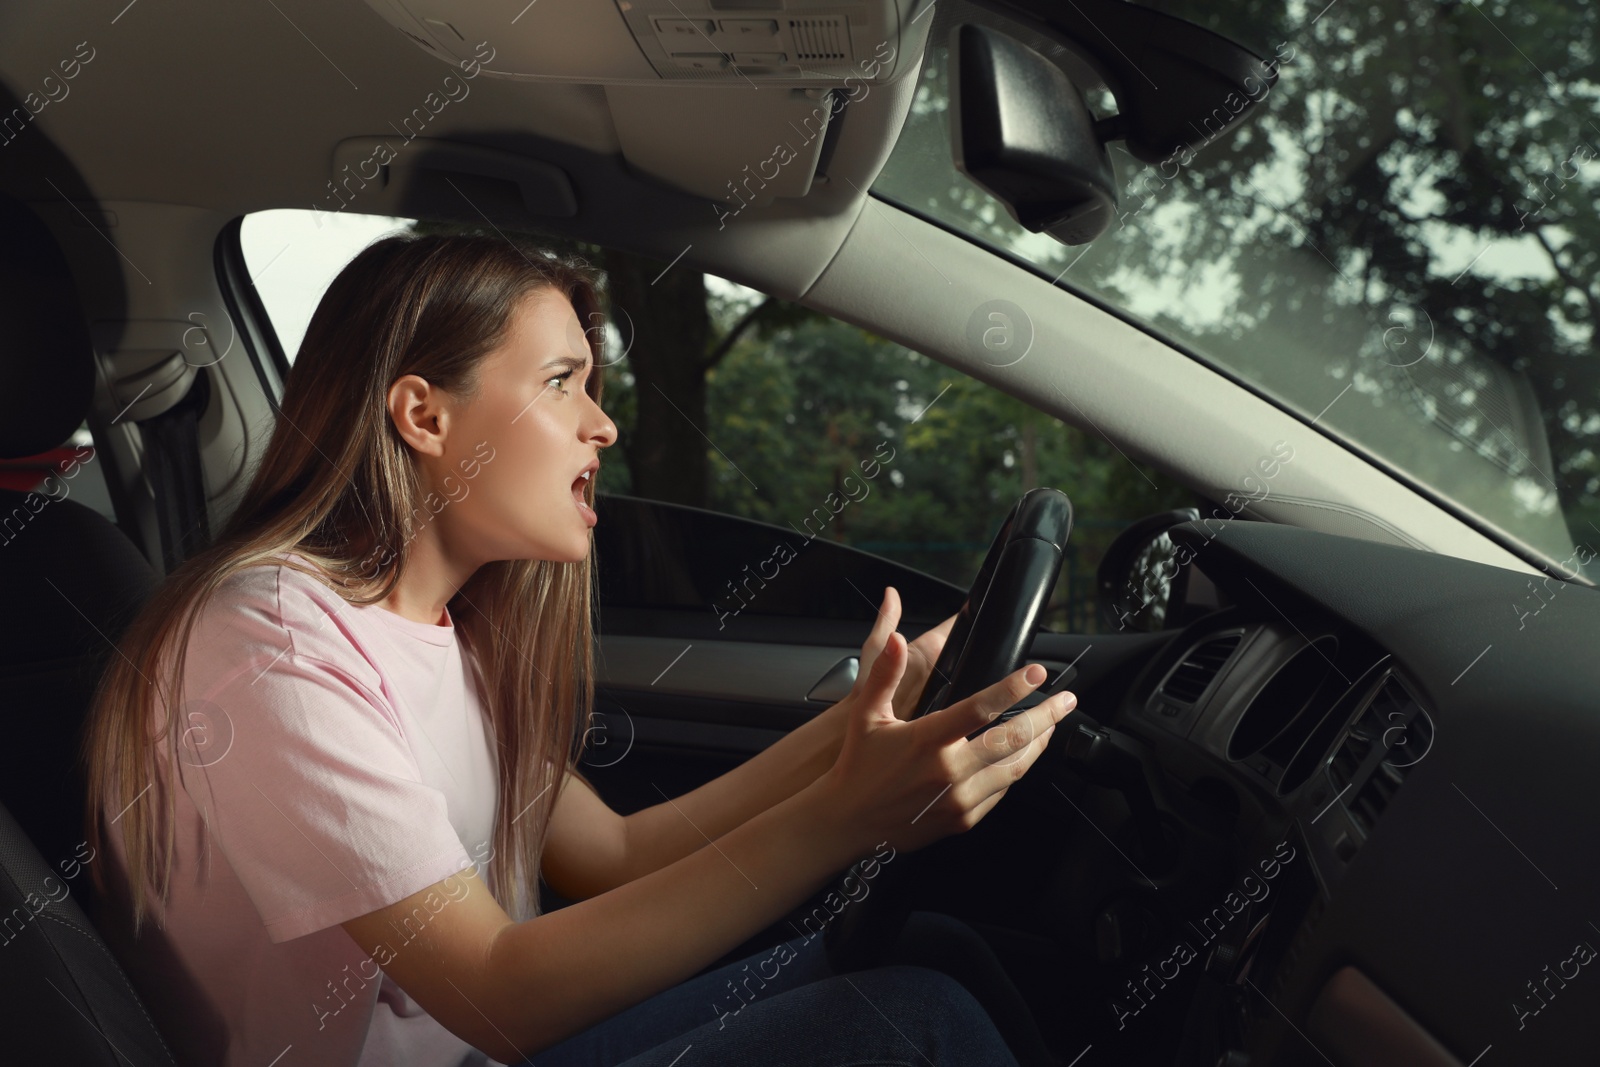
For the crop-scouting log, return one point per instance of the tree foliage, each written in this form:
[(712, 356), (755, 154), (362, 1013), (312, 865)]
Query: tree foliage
[(795, 402), (1400, 242)]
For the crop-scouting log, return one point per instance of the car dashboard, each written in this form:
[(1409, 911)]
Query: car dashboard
[(1347, 813)]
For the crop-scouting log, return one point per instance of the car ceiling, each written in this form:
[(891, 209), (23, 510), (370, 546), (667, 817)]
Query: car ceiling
[(254, 98), (191, 114)]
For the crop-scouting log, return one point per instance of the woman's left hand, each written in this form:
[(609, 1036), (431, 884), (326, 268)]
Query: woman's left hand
[(923, 654)]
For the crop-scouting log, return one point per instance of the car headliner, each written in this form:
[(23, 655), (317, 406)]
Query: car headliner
[(190, 115)]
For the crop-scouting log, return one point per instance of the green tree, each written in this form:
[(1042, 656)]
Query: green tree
[(669, 343), (1406, 226)]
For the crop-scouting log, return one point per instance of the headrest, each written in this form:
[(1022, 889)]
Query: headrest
[(46, 355)]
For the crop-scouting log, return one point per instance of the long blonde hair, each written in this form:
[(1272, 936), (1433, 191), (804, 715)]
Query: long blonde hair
[(338, 485)]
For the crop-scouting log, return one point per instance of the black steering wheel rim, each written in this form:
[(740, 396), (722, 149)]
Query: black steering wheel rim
[(994, 628), (990, 639)]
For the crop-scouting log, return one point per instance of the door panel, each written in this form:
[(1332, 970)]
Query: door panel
[(696, 673), (713, 630), (727, 570), (725, 670)]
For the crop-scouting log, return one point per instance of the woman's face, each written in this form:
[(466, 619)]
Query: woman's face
[(515, 455)]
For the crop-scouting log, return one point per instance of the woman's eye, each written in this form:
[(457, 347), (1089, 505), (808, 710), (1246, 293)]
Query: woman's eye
[(560, 379)]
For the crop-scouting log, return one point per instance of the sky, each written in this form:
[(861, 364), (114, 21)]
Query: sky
[(293, 254)]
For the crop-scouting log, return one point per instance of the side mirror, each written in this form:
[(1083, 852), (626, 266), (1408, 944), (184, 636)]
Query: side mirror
[(1139, 581), (1022, 132)]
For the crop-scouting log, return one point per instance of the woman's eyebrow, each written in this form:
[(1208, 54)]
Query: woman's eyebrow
[(566, 361)]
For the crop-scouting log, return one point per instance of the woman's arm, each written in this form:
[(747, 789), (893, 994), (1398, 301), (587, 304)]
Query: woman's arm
[(590, 849), (514, 989)]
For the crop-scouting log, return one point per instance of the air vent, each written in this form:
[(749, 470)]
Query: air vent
[(819, 39), (1276, 720), (1189, 679), (1389, 737)]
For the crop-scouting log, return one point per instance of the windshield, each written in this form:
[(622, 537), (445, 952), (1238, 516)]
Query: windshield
[(1399, 244)]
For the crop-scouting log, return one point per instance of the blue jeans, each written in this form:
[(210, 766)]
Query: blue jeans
[(786, 1007)]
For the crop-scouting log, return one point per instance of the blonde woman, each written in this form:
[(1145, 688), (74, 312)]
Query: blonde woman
[(337, 749)]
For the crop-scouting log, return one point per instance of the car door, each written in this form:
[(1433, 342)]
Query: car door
[(716, 635)]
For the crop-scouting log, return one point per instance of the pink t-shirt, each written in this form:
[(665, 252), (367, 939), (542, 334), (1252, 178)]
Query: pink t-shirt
[(339, 760)]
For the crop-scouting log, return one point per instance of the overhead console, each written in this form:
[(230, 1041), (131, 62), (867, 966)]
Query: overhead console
[(812, 42), (737, 42), (678, 78)]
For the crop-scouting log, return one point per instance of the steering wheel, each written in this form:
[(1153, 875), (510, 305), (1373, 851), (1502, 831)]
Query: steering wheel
[(990, 639)]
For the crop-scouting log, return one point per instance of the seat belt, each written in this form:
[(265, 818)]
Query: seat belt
[(172, 462)]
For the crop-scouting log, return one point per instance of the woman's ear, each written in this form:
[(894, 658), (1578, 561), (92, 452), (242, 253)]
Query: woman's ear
[(418, 412)]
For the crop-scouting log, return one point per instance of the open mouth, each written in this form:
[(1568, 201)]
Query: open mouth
[(580, 484)]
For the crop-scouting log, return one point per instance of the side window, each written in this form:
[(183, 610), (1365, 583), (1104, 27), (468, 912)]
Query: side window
[(292, 255), (68, 471), (825, 430), (794, 427)]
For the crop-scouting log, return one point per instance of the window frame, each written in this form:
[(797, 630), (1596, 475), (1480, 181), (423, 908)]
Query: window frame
[(249, 314)]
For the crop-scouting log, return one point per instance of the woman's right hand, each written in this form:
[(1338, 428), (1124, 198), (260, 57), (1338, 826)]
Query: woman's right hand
[(911, 783)]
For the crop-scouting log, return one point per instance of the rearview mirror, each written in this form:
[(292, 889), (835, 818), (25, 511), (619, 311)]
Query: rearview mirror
[(1022, 132), (1020, 128)]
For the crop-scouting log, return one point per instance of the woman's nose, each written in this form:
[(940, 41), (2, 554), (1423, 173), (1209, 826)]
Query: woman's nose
[(600, 427)]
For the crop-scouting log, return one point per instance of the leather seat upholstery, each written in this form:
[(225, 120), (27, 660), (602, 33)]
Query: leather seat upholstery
[(70, 581)]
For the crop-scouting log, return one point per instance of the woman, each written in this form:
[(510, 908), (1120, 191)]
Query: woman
[(381, 663)]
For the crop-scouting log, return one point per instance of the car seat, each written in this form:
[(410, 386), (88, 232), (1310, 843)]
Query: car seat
[(70, 581)]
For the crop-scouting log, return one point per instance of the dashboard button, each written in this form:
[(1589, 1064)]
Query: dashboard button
[(750, 31), (675, 31), (708, 61)]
